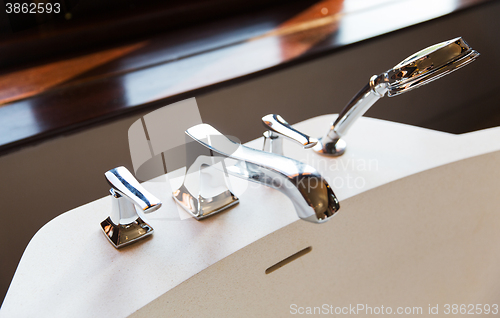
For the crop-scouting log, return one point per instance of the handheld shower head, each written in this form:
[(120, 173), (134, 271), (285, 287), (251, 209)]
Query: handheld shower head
[(428, 65), (416, 70)]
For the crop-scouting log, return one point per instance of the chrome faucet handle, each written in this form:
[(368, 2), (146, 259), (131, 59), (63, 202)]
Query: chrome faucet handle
[(416, 70), (277, 127), (124, 225)]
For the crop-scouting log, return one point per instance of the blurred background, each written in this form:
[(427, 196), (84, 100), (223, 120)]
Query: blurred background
[(75, 74)]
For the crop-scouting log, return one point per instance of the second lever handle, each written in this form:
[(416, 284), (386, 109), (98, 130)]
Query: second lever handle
[(277, 126)]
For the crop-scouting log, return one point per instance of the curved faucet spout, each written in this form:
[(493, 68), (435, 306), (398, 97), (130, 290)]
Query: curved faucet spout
[(311, 195), (416, 70)]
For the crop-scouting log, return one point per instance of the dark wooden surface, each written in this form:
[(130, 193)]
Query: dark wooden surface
[(59, 96), (89, 25)]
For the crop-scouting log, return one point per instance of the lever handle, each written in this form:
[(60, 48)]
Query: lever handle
[(277, 125), (124, 225), (123, 182)]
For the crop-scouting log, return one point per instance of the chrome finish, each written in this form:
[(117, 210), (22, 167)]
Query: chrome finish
[(273, 143), (311, 195), (278, 128), (418, 69), (205, 192), (428, 65), (124, 225)]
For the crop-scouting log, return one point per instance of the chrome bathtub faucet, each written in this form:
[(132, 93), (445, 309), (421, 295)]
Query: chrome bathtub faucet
[(417, 70), (124, 225), (312, 197)]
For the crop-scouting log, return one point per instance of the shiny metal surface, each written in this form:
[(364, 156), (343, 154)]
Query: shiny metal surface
[(428, 65), (276, 128), (416, 70), (311, 195), (204, 190), (124, 226)]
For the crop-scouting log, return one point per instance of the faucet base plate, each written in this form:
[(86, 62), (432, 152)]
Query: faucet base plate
[(124, 234), (333, 148), (200, 207)]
